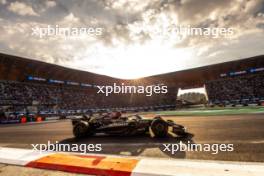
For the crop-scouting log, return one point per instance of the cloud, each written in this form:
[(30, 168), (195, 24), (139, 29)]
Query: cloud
[(2, 1), (50, 3), (69, 19), (21, 9), (129, 39)]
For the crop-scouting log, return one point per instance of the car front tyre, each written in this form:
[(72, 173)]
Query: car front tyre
[(159, 128)]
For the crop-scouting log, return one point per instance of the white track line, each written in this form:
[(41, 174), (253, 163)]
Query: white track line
[(168, 167), (19, 156)]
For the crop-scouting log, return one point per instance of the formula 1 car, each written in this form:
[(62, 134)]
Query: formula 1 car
[(130, 125)]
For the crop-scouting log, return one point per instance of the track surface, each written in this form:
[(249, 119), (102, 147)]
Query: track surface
[(245, 132)]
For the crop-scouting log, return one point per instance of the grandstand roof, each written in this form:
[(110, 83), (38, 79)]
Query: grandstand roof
[(196, 77), (18, 68)]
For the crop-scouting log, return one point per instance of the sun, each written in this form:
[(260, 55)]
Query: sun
[(144, 60), (133, 61)]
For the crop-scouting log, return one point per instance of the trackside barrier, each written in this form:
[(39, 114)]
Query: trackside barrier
[(23, 120), (39, 119), (53, 118), (121, 166)]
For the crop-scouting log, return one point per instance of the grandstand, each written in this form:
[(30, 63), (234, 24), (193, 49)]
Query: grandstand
[(26, 83), (243, 89), (51, 88), (238, 82)]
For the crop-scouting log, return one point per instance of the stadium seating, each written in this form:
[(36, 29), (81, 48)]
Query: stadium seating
[(46, 97), (244, 89)]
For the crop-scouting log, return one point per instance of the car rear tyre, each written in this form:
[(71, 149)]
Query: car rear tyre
[(159, 128), (80, 130)]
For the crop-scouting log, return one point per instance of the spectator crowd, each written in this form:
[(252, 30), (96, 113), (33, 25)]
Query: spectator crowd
[(248, 88), (49, 96)]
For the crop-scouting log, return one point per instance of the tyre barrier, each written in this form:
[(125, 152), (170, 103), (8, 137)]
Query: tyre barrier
[(23, 120), (38, 119)]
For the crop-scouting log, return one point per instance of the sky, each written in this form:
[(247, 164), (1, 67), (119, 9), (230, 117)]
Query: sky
[(137, 37)]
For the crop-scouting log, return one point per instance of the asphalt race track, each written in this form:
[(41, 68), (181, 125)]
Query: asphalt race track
[(246, 133)]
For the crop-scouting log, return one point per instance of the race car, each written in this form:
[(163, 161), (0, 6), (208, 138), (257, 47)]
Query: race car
[(125, 126)]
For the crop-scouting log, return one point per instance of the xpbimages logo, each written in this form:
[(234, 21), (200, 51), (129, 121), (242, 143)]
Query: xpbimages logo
[(128, 89)]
